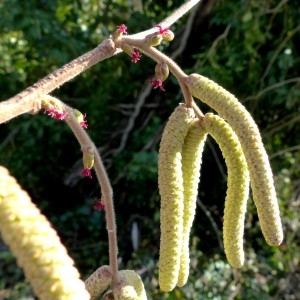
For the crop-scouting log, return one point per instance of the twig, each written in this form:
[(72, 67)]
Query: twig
[(281, 152), (106, 190), (272, 87), (213, 223), (137, 108), (289, 35), (186, 34), (217, 159), (176, 15)]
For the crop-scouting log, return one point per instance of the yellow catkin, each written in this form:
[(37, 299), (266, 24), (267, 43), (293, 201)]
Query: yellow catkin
[(191, 163), (261, 177), (98, 282), (36, 245), (131, 286), (238, 187), (170, 183)]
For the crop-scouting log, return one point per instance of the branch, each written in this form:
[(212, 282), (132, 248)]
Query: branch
[(213, 223), (29, 99)]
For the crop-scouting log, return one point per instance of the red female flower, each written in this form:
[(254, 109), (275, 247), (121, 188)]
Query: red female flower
[(122, 29), (157, 84), (55, 114), (99, 205), (86, 172), (161, 30), (136, 55)]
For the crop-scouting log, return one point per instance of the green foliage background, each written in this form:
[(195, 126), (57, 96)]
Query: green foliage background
[(249, 47)]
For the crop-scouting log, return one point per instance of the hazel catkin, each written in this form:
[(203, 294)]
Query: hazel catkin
[(170, 183), (191, 163), (36, 245), (261, 177), (131, 286), (238, 187), (98, 282)]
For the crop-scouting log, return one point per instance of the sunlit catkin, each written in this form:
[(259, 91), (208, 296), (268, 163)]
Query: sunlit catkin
[(238, 187), (191, 163), (98, 282), (262, 184), (170, 182), (131, 286), (36, 245)]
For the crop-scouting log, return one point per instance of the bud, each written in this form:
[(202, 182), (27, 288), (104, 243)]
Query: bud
[(53, 107), (153, 39), (81, 119), (49, 102), (78, 115), (168, 36), (122, 29), (162, 71), (88, 158), (46, 104), (127, 49)]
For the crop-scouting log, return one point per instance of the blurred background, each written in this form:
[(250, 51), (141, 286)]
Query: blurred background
[(250, 47)]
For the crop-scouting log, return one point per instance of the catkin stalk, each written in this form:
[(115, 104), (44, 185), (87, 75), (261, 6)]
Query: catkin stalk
[(170, 183), (261, 177), (238, 187), (191, 163), (36, 245)]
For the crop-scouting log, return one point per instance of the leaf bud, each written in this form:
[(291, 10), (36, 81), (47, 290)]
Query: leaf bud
[(127, 49), (153, 39), (78, 115), (162, 71), (168, 36), (88, 158)]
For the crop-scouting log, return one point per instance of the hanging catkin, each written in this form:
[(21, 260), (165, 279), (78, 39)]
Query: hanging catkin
[(261, 177), (191, 163), (170, 182), (238, 187), (36, 245)]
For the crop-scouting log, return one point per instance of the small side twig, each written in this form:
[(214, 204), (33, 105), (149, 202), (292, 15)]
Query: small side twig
[(106, 190), (213, 223)]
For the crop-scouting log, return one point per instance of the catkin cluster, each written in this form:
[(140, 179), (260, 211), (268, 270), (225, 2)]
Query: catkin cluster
[(129, 287), (261, 177), (179, 163), (178, 177)]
